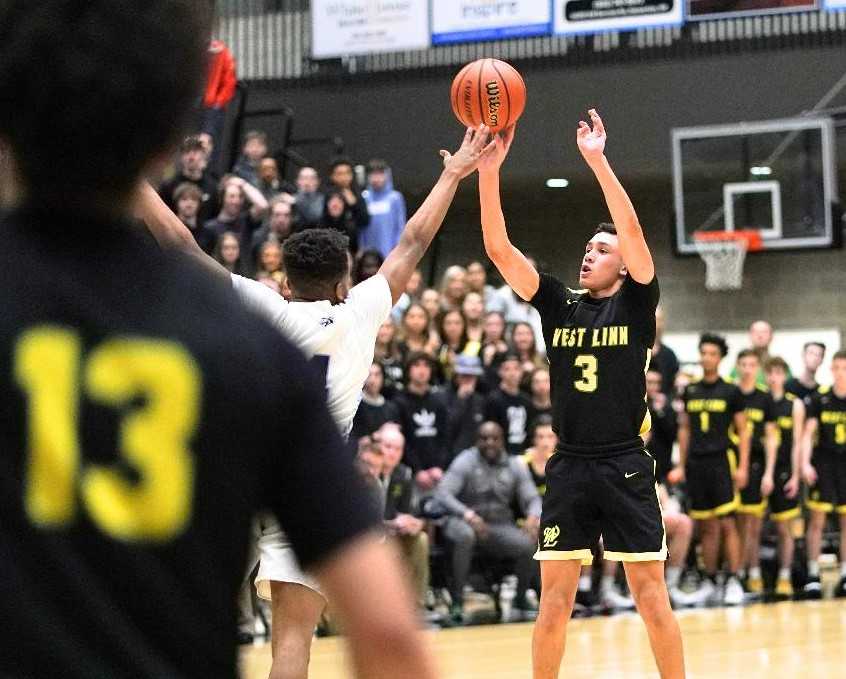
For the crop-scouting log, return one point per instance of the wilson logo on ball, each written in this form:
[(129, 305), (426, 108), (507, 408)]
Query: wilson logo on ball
[(488, 91)]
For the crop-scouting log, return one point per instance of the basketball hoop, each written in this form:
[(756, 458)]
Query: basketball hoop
[(724, 253)]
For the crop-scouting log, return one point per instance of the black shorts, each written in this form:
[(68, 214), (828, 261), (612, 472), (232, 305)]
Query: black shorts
[(710, 485), (751, 500), (614, 497), (783, 508), (829, 492)]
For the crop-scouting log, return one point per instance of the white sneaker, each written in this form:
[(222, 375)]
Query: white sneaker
[(611, 598), (734, 594), (704, 595), (681, 599)]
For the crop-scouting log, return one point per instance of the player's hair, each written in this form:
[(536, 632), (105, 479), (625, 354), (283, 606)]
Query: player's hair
[(748, 353), (91, 92), (187, 190), (316, 260), (606, 227), (814, 344), (716, 340), (774, 362), (839, 355)]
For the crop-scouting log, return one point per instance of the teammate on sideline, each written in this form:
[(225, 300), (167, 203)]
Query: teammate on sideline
[(706, 461), (128, 478), (782, 476), (601, 481), (760, 422), (825, 470), (337, 326)]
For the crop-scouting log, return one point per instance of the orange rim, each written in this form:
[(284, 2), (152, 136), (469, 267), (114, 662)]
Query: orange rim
[(753, 239)]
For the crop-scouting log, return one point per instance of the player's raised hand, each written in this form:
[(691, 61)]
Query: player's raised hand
[(473, 148), (500, 146), (591, 142)]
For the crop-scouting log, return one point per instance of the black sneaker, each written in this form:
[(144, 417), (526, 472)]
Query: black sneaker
[(456, 614), (585, 604), (812, 588), (840, 590)]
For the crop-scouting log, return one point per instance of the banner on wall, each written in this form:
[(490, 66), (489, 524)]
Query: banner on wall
[(472, 20), (345, 27), (720, 9), (597, 16), (835, 4)]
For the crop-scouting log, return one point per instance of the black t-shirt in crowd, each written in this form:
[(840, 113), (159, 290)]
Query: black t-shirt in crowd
[(598, 350), (759, 409), (128, 479), (711, 407), (830, 412), (209, 203), (371, 415), (667, 363), (783, 414), (425, 425), (511, 412), (795, 387)]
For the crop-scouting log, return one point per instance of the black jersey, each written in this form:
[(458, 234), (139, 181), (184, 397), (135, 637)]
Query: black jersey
[(795, 387), (830, 412), (146, 419), (783, 415), (758, 407), (598, 350), (711, 407)]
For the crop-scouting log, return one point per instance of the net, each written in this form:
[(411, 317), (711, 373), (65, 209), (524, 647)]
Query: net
[(724, 253)]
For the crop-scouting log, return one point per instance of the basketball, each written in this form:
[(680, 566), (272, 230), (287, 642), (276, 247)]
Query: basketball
[(488, 91)]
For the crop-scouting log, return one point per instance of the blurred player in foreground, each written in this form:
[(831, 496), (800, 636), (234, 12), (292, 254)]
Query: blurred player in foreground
[(128, 480)]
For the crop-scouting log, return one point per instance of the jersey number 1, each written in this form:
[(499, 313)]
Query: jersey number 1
[(156, 388)]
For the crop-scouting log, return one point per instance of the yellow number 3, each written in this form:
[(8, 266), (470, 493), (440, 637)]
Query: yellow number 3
[(154, 436), (589, 367)]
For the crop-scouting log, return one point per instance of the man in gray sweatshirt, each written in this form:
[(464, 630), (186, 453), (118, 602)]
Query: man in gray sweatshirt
[(480, 491)]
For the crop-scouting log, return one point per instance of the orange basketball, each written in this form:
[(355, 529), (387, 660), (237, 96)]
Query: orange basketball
[(488, 91)]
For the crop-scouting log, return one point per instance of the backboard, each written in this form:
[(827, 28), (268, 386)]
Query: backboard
[(776, 176)]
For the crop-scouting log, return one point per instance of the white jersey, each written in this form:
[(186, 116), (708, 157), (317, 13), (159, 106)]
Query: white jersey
[(340, 337)]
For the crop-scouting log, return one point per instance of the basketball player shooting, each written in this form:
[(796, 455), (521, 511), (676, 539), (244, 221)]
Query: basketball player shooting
[(335, 325), (601, 481)]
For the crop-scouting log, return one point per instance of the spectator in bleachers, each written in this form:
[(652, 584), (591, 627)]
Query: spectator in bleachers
[(452, 329), (227, 252), (336, 215), (270, 262), (367, 264), (494, 347), (465, 405), (806, 384), (243, 208), (508, 406), (544, 441), (188, 199), (760, 338), (310, 201), (664, 359), (386, 207), (342, 179), (660, 439), (479, 491), (540, 395), (431, 301), (416, 333), (374, 409), (254, 149), (279, 226), (220, 90), (477, 281), (524, 345), (453, 288), (193, 169), (411, 294), (397, 483), (473, 309), (268, 178), (516, 310), (387, 354), (424, 422)]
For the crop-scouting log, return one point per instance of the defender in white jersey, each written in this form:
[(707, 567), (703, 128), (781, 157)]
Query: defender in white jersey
[(325, 318)]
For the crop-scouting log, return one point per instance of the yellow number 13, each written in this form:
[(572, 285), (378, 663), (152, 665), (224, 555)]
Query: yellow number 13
[(589, 366), (153, 436)]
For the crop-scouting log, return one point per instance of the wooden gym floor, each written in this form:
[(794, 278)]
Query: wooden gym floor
[(805, 639)]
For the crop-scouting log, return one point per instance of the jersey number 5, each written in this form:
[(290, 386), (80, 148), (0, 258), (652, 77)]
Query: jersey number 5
[(153, 437), (588, 365)]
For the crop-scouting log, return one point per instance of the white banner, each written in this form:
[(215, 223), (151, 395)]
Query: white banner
[(835, 4), (597, 16), (471, 20), (342, 27)]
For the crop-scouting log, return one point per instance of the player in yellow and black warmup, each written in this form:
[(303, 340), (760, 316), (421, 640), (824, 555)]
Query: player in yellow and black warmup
[(763, 432), (824, 468), (706, 461), (782, 476), (601, 480)]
